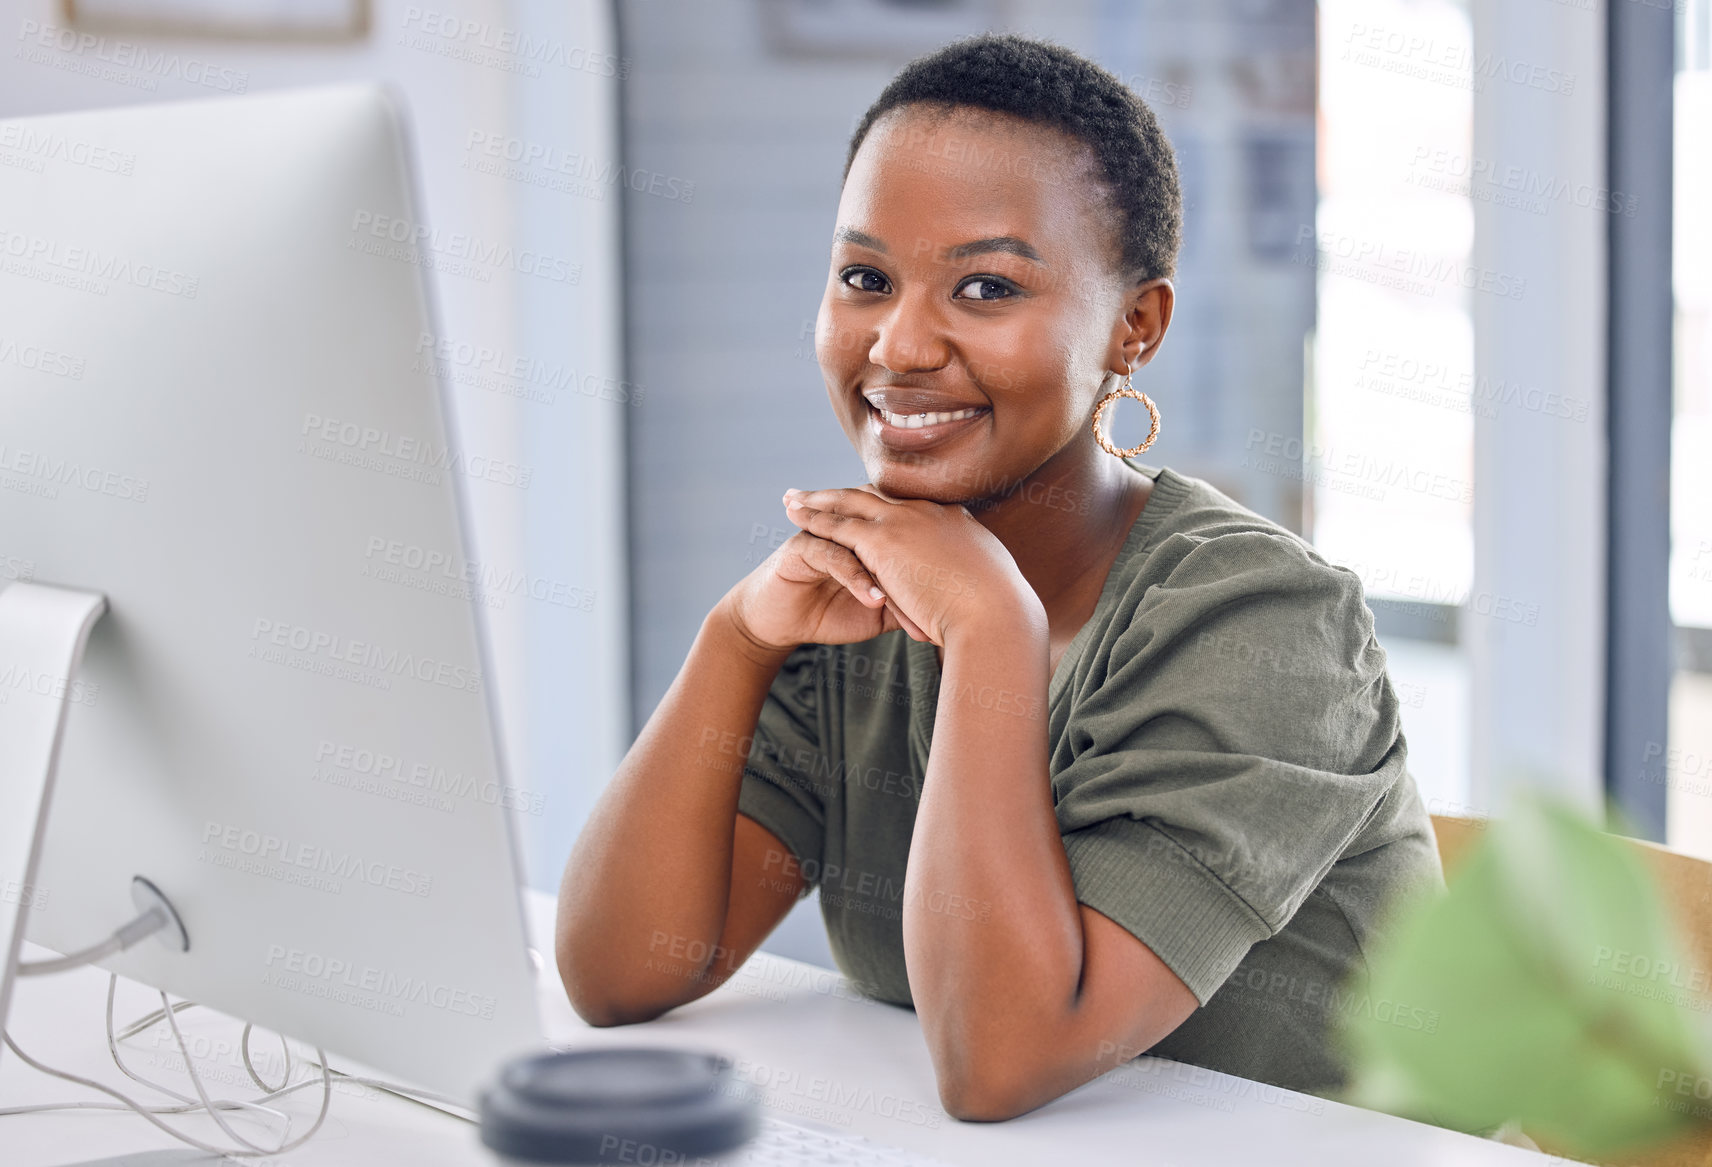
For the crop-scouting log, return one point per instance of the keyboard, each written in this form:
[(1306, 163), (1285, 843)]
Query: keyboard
[(796, 1142)]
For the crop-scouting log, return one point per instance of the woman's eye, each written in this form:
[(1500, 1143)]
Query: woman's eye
[(864, 279), (986, 288)]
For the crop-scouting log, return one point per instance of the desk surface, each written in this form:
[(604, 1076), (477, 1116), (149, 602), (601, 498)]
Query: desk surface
[(813, 1047)]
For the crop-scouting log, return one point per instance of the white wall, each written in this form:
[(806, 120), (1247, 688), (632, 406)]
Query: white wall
[(561, 670)]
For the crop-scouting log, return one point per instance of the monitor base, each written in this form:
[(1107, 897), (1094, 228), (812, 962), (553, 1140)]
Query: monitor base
[(43, 631)]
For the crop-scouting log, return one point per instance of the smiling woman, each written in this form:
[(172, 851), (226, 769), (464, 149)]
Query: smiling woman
[(1141, 779)]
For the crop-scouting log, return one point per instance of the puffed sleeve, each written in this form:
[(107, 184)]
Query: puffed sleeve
[(783, 789), (1227, 740)]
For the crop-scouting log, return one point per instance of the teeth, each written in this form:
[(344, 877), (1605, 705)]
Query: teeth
[(914, 421)]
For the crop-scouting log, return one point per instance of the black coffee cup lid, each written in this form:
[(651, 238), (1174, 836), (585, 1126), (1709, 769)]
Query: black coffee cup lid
[(617, 1105)]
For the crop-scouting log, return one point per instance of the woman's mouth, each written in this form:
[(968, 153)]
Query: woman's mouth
[(919, 430), (915, 421)]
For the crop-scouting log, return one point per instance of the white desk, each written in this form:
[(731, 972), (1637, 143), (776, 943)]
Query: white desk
[(797, 1031)]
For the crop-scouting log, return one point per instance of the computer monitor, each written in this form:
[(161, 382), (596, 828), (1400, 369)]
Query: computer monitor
[(212, 413)]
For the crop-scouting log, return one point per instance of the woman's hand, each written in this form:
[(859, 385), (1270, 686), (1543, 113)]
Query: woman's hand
[(939, 569), (811, 591)]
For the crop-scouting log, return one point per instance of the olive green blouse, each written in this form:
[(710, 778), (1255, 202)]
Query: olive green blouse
[(1228, 768)]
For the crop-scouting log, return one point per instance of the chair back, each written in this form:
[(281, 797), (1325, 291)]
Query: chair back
[(1686, 883)]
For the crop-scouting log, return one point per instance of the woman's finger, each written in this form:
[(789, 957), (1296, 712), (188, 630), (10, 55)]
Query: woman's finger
[(843, 501), (842, 519), (892, 620), (850, 530), (842, 564), (910, 627)]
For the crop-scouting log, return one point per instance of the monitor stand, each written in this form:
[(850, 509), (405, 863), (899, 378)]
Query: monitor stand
[(43, 631)]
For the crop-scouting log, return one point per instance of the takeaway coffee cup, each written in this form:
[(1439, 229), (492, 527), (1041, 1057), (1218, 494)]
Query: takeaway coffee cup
[(642, 1107)]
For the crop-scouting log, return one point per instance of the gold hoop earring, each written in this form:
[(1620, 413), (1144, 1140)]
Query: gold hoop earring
[(1152, 411)]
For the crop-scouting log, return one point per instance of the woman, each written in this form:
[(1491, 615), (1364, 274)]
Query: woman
[(1086, 758)]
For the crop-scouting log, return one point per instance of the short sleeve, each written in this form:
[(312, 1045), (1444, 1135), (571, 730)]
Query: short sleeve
[(779, 789), (1235, 738)]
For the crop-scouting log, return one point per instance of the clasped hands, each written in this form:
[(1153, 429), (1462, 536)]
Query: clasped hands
[(864, 563)]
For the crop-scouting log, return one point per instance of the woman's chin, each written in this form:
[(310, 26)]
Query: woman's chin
[(940, 484)]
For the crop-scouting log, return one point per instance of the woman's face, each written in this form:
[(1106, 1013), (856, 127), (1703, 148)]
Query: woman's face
[(973, 311)]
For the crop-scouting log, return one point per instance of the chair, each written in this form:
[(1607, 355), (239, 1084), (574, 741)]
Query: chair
[(1686, 883)]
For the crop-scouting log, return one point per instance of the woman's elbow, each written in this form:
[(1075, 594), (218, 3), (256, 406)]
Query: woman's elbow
[(596, 994), (987, 1095), (981, 1104), (602, 1008), (607, 1015)]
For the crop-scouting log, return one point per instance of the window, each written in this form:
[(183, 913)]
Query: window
[(1686, 760), (1392, 393)]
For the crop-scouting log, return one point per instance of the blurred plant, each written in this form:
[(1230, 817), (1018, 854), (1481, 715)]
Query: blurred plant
[(1540, 1023)]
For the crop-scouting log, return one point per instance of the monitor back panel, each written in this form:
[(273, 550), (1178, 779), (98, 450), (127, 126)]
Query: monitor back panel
[(212, 409)]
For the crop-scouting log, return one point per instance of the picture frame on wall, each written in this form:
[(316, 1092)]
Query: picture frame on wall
[(254, 20), (884, 29)]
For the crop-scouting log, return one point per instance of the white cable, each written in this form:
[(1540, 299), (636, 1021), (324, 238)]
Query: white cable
[(142, 926), (437, 1102), (95, 952), (219, 1119), (150, 1020), (135, 1027), (440, 1103), (147, 1113), (189, 1103), (285, 1076), (213, 1108), (48, 1107)]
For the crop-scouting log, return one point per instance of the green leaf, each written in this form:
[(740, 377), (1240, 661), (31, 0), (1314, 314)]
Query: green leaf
[(1552, 991)]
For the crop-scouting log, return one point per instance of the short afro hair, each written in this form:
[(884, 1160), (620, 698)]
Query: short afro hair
[(1051, 86)]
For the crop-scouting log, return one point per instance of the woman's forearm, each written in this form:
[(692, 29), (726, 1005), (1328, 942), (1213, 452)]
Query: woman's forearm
[(990, 980), (654, 858)]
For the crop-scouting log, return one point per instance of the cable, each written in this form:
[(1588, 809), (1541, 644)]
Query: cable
[(148, 1112), (146, 924), (219, 1119), (285, 1047), (202, 1102), (439, 1103), (436, 1102), (190, 1103), (155, 914), (95, 952), (151, 1019)]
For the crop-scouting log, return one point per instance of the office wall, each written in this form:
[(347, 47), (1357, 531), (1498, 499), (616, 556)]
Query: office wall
[(558, 542)]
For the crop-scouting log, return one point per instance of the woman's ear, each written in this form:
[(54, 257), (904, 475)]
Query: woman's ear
[(1147, 315)]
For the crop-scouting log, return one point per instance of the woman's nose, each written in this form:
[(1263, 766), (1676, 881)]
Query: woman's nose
[(911, 338)]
